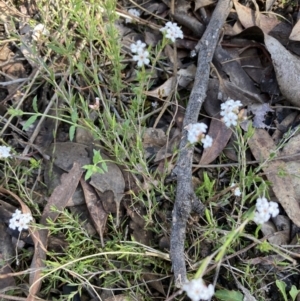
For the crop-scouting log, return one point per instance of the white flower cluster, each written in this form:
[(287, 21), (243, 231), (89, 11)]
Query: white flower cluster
[(141, 54), (172, 31), (236, 190), (196, 132), (264, 210), (38, 31), (197, 290), (5, 151), (133, 12), (230, 111), (20, 220)]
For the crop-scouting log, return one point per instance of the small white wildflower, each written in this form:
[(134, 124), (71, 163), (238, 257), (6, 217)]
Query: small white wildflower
[(264, 210), (137, 47), (38, 31), (20, 220), (172, 31), (195, 131), (229, 111), (207, 141), (142, 58), (133, 12), (5, 151), (273, 209), (96, 105), (230, 119), (154, 104), (261, 217), (262, 204), (197, 290), (236, 191)]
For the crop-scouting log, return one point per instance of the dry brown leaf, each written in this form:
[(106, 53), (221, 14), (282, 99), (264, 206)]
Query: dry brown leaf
[(287, 68), (262, 145), (112, 180), (221, 135), (162, 91), (58, 199), (95, 207), (230, 90), (203, 3), (295, 34), (153, 281), (153, 140), (267, 23)]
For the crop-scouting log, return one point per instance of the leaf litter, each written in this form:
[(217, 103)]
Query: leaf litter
[(264, 78)]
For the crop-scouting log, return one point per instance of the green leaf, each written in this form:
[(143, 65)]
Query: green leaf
[(99, 170), (74, 116), (88, 174), (227, 295), (34, 104), (72, 132), (281, 285), (97, 157), (14, 112), (29, 122), (104, 166), (294, 292)]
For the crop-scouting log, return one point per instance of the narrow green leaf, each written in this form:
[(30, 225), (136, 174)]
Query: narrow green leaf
[(14, 112), (104, 166), (226, 295), (97, 157), (72, 132), (99, 170), (34, 104), (294, 292), (29, 122), (281, 285), (88, 174)]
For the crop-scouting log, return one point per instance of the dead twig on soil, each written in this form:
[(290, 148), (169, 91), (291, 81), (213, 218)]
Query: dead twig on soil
[(186, 199)]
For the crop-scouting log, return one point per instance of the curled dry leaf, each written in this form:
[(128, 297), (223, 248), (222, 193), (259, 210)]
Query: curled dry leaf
[(95, 207), (162, 91), (203, 3), (287, 69), (267, 23), (295, 34), (262, 145), (58, 199), (221, 135)]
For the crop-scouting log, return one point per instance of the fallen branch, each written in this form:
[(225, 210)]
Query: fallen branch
[(186, 199)]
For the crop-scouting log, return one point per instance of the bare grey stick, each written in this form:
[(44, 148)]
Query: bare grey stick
[(186, 199)]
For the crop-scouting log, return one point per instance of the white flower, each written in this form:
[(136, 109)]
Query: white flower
[(273, 209), (20, 220), (38, 31), (236, 191), (137, 47), (96, 105), (230, 119), (229, 111), (5, 152), (207, 141), (195, 131), (261, 217), (264, 210), (154, 104), (262, 204), (142, 58), (197, 290), (172, 31), (133, 12)]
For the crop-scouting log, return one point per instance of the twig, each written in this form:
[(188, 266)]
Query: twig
[(185, 196)]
